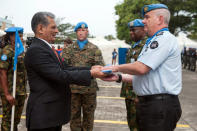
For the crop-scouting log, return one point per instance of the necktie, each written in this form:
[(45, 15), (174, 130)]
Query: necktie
[(53, 48)]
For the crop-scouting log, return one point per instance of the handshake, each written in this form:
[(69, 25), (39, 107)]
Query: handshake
[(107, 74), (98, 71)]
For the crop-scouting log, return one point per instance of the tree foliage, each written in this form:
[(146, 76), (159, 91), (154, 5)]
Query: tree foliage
[(183, 16), (65, 30), (109, 37)]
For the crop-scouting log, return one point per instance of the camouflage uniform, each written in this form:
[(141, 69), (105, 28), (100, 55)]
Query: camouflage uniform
[(20, 88), (127, 89), (83, 97)]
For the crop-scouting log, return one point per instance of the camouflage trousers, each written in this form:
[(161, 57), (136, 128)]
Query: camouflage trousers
[(131, 114), (7, 111), (86, 102)]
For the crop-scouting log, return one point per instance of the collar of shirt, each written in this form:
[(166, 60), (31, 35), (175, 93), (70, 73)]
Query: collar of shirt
[(46, 42), (82, 43), (150, 38), (137, 43)]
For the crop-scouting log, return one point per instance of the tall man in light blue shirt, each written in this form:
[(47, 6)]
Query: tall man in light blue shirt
[(157, 73)]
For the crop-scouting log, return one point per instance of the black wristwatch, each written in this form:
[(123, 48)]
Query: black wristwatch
[(119, 78)]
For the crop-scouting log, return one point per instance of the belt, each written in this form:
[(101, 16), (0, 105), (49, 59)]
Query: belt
[(156, 97)]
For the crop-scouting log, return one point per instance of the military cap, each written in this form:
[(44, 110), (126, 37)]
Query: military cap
[(150, 7), (135, 23), (14, 29), (80, 25)]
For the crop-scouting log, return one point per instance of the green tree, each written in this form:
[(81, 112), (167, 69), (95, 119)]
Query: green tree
[(109, 37), (128, 11), (183, 16), (65, 30)]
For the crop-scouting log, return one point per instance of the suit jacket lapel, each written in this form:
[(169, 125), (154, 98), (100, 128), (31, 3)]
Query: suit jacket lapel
[(49, 49)]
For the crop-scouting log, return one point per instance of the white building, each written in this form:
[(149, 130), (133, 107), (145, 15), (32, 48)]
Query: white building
[(4, 23)]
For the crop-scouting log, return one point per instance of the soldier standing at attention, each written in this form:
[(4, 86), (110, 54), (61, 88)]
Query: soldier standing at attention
[(137, 34), (6, 80), (83, 53)]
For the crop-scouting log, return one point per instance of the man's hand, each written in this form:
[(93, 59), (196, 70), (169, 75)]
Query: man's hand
[(110, 78), (97, 73), (97, 66), (10, 99), (113, 68)]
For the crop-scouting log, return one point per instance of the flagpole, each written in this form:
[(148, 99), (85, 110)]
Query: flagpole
[(14, 86), (18, 50), (14, 95)]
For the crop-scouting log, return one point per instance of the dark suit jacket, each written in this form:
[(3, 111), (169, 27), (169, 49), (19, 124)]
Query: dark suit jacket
[(49, 101)]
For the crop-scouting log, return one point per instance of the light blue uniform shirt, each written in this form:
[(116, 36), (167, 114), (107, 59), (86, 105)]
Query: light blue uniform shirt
[(165, 75)]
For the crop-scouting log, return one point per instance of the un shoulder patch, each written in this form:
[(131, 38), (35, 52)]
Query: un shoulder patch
[(4, 57), (154, 45)]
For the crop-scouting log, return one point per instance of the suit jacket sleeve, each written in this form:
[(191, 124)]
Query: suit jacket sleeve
[(41, 61), (77, 68)]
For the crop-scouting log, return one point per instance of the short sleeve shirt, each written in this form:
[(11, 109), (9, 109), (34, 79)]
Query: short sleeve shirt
[(162, 55), (6, 62)]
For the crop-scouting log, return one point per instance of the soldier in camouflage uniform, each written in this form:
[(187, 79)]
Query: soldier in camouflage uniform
[(193, 59), (6, 80), (137, 34), (83, 53)]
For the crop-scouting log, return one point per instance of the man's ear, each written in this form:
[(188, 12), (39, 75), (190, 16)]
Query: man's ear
[(40, 29), (87, 31), (161, 19)]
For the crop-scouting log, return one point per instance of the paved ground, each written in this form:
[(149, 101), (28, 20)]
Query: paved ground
[(110, 114)]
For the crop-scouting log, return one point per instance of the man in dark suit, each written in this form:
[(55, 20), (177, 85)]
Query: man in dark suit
[(48, 106)]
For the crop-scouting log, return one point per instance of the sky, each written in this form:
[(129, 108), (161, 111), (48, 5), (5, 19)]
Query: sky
[(98, 14)]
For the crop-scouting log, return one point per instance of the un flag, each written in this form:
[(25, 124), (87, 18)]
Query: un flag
[(18, 48)]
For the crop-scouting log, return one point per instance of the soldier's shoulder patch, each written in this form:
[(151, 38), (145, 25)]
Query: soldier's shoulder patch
[(98, 52), (4, 57), (160, 33), (154, 45)]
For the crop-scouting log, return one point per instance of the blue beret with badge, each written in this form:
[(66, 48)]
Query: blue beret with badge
[(148, 8), (80, 25), (14, 29), (135, 23)]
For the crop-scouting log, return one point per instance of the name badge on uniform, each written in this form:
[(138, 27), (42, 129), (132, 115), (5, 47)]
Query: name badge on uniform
[(132, 60)]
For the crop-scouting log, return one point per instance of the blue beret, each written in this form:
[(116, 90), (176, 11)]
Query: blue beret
[(14, 29), (148, 8), (136, 23), (80, 25)]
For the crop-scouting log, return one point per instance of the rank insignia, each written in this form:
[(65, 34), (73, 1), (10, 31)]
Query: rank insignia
[(146, 49), (160, 33), (154, 45)]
